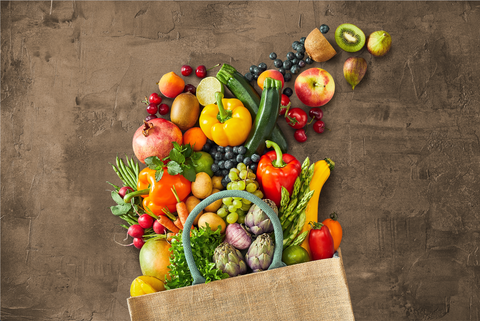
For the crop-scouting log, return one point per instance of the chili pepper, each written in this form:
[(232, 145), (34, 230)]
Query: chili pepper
[(275, 170), (157, 194), (227, 122), (320, 241)]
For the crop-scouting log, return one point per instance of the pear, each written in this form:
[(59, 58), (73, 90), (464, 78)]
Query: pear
[(354, 69)]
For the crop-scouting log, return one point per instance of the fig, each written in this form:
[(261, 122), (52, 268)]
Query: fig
[(354, 69), (379, 43)]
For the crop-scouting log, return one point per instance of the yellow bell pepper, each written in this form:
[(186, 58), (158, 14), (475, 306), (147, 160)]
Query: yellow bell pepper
[(227, 122)]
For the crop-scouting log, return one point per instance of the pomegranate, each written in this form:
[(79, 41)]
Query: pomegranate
[(155, 138)]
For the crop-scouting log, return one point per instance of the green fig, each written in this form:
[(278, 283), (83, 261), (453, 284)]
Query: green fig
[(379, 43), (354, 69)]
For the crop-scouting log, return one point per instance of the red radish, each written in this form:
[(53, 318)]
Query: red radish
[(158, 228), (138, 242), (124, 191), (135, 231), (145, 221)]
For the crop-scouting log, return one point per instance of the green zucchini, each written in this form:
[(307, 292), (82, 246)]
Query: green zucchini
[(266, 118), (244, 91)]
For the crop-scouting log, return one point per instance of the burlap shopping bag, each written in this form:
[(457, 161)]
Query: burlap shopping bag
[(315, 290)]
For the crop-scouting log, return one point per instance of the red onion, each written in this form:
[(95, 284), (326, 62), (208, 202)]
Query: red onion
[(237, 236)]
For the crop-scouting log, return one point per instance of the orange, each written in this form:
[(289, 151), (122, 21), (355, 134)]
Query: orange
[(195, 137)]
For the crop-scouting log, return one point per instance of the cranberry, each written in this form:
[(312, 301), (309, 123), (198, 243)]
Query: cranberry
[(152, 109), (155, 99), (300, 135), (163, 109), (190, 88), (319, 126), (201, 71), (186, 70), (315, 113)]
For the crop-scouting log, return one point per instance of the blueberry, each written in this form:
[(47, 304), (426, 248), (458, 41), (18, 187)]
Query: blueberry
[(224, 172), (287, 64), (287, 91), (294, 61), (253, 167), (301, 63), (228, 166), (252, 68), (206, 147), (301, 48), (213, 150), (228, 149), (273, 56), (242, 150), (227, 179), (324, 28), (239, 158), (218, 173), (216, 161), (278, 63), (247, 161), (309, 61), (255, 158), (299, 55), (249, 76), (220, 149), (218, 155), (295, 45), (287, 77), (302, 40), (215, 167), (229, 155), (262, 66), (256, 70), (255, 76), (221, 164), (290, 55), (295, 69), (235, 149), (224, 182), (282, 71)]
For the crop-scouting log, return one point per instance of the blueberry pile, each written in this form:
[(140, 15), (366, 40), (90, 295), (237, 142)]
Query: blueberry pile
[(226, 158)]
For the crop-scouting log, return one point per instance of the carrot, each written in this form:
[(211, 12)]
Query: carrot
[(176, 220), (182, 210), (178, 223), (165, 221)]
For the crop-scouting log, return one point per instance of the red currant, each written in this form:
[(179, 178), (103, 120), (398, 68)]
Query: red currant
[(319, 126), (315, 113), (190, 88), (152, 109), (150, 117), (186, 70), (155, 99), (163, 109), (300, 135), (201, 71)]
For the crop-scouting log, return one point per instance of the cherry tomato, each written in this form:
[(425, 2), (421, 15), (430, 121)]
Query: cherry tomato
[(319, 126), (300, 135), (321, 242), (315, 113), (284, 104), (155, 99), (297, 118)]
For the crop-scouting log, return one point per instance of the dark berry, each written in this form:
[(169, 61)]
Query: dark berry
[(287, 64), (218, 155), (301, 48), (302, 40), (324, 28), (221, 149), (301, 64), (228, 149), (163, 109), (235, 149), (213, 150), (287, 77), (224, 172), (287, 91), (239, 158), (294, 61), (252, 68), (221, 164), (155, 99), (190, 88), (249, 76), (295, 69), (253, 167), (290, 55), (295, 45), (308, 61), (227, 179), (247, 161), (278, 63), (282, 71), (228, 165), (224, 182), (150, 117), (256, 70), (186, 70), (206, 147), (299, 55), (152, 109), (255, 158), (215, 167), (229, 155), (273, 56), (262, 66), (242, 150), (255, 76)]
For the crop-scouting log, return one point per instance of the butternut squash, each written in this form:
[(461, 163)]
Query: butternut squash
[(321, 173)]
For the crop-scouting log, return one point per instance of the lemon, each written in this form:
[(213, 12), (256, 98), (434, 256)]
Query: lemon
[(206, 90)]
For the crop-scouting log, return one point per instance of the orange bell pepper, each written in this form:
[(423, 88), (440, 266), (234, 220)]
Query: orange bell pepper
[(227, 122), (158, 195)]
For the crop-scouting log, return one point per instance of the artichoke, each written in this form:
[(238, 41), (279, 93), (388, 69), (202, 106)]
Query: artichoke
[(260, 253), (257, 222), (229, 260)]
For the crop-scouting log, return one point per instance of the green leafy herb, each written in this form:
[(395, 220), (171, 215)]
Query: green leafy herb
[(203, 241), (179, 162)]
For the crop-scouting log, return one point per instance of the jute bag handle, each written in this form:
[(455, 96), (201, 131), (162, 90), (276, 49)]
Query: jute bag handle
[(277, 228)]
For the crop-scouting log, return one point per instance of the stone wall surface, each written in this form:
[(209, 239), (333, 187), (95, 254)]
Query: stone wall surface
[(405, 142)]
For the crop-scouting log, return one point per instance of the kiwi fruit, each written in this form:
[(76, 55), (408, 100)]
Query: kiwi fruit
[(318, 47), (349, 37)]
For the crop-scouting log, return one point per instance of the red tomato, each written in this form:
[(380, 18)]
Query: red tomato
[(284, 104), (335, 229), (297, 118), (321, 242)]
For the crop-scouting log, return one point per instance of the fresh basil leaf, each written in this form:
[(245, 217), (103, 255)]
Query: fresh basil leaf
[(176, 156), (159, 174), (174, 168), (120, 209), (189, 173), (117, 198), (188, 151), (177, 147), (154, 162)]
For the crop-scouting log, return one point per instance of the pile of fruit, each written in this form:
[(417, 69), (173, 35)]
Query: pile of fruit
[(211, 143)]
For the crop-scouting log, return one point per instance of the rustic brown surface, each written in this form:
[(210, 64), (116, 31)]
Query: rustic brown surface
[(406, 145)]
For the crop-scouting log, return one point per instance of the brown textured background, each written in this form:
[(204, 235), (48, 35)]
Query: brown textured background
[(406, 144)]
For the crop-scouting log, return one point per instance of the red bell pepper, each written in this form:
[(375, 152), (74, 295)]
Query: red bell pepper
[(320, 241), (275, 170)]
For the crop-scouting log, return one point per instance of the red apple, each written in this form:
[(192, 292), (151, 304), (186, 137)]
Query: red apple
[(314, 87), (155, 138)]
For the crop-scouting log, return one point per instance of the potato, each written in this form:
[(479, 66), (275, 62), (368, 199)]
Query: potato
[(213, 221), (191, 202), (217, 182), (213, 207), (202, 187)]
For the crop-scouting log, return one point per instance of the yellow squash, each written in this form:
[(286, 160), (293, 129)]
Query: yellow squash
[(321, 173)]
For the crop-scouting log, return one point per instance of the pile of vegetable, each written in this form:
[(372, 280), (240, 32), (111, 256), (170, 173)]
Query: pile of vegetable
[(210, 143)]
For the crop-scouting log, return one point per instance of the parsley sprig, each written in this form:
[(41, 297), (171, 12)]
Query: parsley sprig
[(180, 161)]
